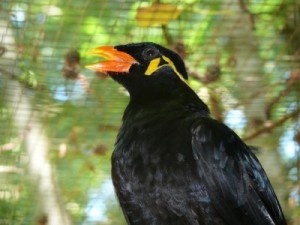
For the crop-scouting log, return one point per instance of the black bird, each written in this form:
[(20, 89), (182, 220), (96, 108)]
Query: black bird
[(172, 163)]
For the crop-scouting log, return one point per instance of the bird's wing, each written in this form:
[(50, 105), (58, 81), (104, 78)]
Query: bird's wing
[(237, 185)]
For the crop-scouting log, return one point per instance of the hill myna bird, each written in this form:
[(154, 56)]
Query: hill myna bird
[(172, 163)]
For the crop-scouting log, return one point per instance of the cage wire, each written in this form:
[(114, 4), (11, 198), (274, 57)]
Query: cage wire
[(59, 120)]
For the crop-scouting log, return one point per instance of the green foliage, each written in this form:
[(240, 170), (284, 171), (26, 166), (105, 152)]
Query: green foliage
[(77, 126), (29, 78)]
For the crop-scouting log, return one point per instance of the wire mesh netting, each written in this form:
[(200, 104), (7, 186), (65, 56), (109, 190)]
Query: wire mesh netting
[(59, 120)]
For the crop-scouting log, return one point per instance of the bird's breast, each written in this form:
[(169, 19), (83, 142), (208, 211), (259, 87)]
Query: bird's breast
[(154, 170), (154, 157)]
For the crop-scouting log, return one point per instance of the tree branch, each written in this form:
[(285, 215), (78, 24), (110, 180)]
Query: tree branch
[(268, 127), (245, 9)]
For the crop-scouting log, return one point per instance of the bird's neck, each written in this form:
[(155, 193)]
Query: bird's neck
[(166, 103)]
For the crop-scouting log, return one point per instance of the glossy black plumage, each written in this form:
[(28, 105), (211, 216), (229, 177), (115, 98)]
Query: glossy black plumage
[(175, 165)]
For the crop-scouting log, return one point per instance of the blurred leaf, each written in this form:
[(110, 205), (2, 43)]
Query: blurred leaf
[(157, 14), (29, 78)]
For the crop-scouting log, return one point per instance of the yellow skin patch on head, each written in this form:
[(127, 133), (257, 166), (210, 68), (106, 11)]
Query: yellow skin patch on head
[(154, 65)]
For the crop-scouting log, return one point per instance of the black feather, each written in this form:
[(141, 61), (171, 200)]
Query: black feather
[(174, 165)]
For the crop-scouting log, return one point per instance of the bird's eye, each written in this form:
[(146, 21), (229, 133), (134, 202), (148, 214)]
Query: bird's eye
[(150, 53)]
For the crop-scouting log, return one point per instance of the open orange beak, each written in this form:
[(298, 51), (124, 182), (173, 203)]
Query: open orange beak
[(116, 61)]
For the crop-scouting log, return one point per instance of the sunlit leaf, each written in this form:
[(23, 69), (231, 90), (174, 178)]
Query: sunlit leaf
[(157, 14)]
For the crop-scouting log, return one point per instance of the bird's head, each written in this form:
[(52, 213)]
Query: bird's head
[(141, 67)]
